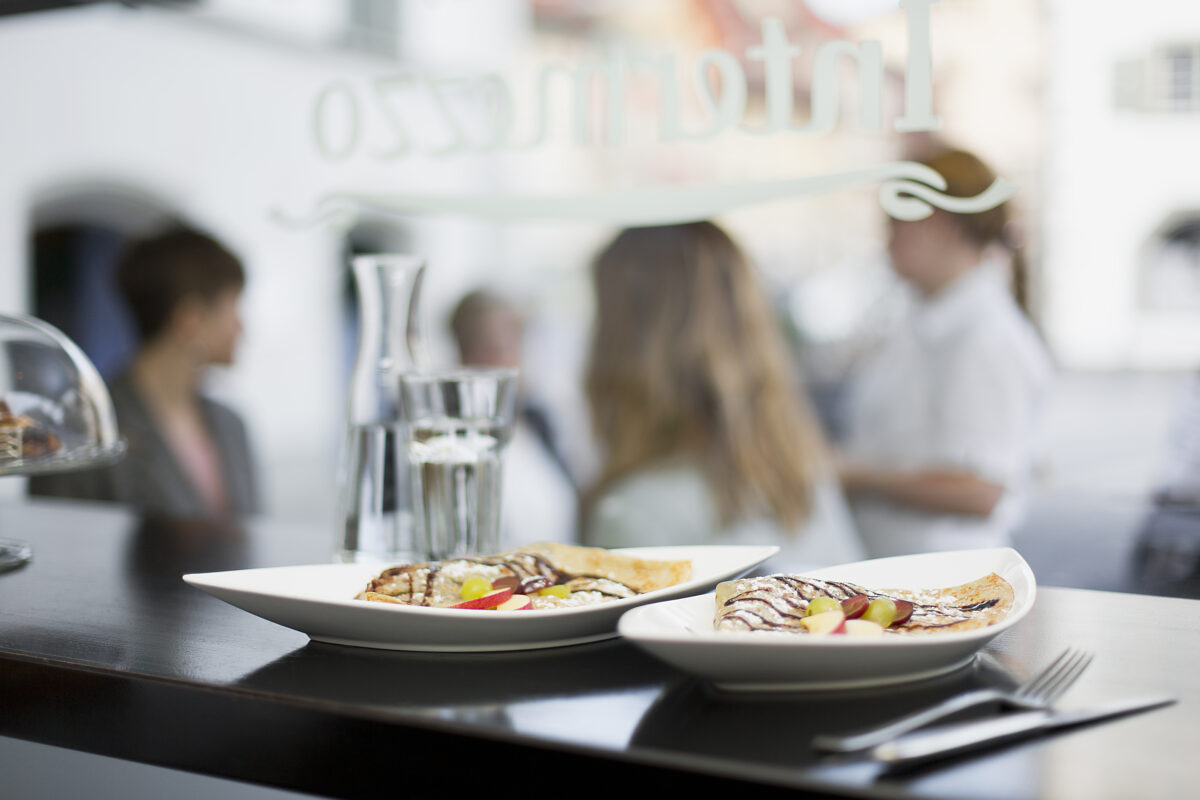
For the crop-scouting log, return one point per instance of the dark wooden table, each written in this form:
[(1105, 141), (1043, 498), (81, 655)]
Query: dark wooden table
[(104, 649)]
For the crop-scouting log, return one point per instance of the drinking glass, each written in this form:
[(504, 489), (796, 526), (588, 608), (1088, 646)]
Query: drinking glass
[(459, 422)]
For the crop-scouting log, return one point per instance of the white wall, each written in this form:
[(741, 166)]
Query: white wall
[(217, 121), (1113, 178)]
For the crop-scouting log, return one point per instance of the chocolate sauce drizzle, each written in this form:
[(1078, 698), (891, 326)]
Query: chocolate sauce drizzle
[(531, 569), (790, 598)]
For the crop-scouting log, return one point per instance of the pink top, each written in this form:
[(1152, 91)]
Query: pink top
[(197, 455)]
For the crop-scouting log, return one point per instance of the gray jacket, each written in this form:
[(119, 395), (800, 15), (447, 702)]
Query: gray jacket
[(149, 477)]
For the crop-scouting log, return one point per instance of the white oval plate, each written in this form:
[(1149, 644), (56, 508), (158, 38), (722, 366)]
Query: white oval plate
[(319, 600), (680, 632)]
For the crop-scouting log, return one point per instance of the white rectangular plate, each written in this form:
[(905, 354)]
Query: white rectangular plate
[(319, 600), (681, 633)]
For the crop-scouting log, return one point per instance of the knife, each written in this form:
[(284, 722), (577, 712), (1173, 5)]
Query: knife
[(947, 740)]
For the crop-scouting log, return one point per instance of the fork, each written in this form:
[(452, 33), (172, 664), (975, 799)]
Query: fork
[(1036, 693)]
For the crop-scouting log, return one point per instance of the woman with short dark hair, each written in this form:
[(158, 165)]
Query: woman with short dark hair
[(188, 455)]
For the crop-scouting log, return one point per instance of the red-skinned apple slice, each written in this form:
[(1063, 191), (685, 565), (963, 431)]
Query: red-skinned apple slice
[(863, 627), (853, 607), (825, 622), (904, 610), (489, 600), (518, 602), (507, 582)]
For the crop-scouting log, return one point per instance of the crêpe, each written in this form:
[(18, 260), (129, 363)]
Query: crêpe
[(591, 574), (779, 602)]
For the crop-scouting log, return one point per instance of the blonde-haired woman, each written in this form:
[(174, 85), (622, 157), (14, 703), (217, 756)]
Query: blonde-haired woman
[(704, 433), (944, 419)]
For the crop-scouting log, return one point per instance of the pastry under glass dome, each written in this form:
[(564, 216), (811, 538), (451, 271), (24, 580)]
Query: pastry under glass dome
[(55, 412)]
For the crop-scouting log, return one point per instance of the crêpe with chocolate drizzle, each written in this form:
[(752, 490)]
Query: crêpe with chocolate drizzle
[(779, 602), (591, 574)]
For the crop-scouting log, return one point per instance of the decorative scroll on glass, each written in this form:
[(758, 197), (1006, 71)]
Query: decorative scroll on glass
[(909, 191)]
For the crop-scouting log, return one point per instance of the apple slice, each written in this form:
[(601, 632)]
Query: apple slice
[(904, 610), (825, 622), (863, 627), (489, 600), (518, 602), (507, 582), (854, 606)]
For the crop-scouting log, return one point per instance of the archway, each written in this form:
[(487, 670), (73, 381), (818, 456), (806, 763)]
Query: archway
[(77, 232), (1170, 266)]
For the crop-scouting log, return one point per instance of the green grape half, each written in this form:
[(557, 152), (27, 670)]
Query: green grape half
[(822, 604), (881, 610), (475, 587)]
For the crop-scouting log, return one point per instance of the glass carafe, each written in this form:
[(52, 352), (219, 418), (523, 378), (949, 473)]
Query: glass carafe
[(376, 510)]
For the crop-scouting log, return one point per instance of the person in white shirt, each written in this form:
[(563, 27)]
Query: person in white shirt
[(944, 419), (704, 434), (1167, 550), (538, 499), (1180, 481)]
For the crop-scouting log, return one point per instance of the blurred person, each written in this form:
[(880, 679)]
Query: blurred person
[(943, 419), (1180, 481), (188, 455), (704, 431), (1168, 542), (538, 498)]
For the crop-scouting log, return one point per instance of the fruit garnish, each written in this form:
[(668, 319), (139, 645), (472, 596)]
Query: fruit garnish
[(825, 622), (904, 610), (475, 587), (507, 582), (853, 607), (518, 602), (882, 610), (534, 584), (863, 627), (489, 600), (557, 590), (819, 605)]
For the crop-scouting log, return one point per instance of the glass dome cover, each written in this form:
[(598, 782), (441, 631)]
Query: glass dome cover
[(55, 412)]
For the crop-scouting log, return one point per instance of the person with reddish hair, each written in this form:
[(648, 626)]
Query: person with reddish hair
[(943, 420)]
